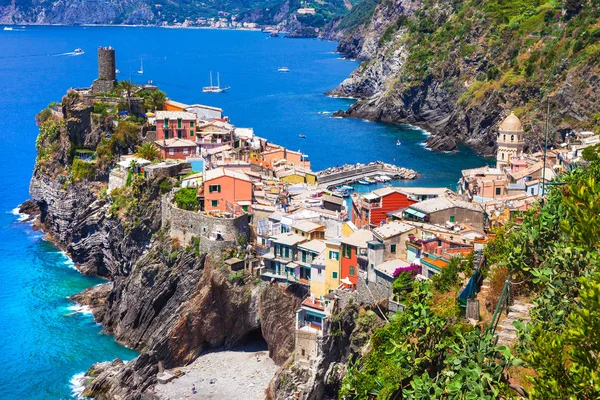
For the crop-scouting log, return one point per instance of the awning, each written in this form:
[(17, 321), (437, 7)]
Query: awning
[(315, 314), (370, 196), (415, 213), (244, 203), (347, 281)]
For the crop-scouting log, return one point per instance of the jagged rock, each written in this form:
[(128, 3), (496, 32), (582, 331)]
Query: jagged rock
[(277, 311), (94, 297)]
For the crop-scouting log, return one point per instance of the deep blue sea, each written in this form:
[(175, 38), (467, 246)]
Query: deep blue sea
[(44, 339)]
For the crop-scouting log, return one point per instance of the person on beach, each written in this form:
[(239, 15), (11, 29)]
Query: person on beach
[(193, 388)]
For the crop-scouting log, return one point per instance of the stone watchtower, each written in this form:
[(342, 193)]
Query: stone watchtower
[(511, 140), (107, 75)]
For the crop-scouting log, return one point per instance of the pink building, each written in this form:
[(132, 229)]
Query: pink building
[(176, 149), (175, 125)]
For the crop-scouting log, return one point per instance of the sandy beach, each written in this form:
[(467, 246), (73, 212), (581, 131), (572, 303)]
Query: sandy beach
[(242, 373)]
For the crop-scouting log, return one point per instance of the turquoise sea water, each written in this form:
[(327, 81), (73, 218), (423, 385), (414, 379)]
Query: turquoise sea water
[(44, 340)]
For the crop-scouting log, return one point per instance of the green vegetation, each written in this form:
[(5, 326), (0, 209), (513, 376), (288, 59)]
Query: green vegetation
[(449, 277), (81, 170), (47, 142), (153, 99), (422, 354), (148, 151), (187, 199), (123, 140), (528, 47), (360, 15), (426, 352), (164, 186)]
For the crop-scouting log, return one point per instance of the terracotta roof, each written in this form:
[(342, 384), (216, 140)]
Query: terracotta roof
[(438, 263)]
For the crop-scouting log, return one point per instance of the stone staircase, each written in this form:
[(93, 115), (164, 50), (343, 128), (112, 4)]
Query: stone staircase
[(506, 332)]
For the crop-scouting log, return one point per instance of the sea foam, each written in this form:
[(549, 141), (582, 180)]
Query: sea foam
[(77, 384), (22, 216)]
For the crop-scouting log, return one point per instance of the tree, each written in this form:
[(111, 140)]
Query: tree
[(187, 199), (148, 151), (155, 100), (127, 87), (591, 153), (568, 365)]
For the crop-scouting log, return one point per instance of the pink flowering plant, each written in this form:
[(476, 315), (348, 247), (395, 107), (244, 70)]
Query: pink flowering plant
[(413, 269)]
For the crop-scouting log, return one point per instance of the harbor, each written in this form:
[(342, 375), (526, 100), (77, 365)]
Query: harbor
[(372, 172)]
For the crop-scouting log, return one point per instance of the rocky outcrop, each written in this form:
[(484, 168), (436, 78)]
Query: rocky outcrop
[(77, 219), (458, 81), (173, 306), (277, 313), (350, 331)]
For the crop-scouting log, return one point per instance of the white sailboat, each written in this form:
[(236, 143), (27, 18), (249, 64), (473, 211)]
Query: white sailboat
[(283, 68), (141, 70), (214, 89)]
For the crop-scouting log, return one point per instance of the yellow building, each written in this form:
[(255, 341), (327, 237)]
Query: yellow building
[(348, 228), (333, 265)]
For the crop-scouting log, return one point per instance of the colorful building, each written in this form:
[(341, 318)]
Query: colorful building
[(308, 252), (447, 210), (308, 229), (176, 149), (369, 210), (333, 264), (354, 256), (280, 263), (227, 191), (175, 124)]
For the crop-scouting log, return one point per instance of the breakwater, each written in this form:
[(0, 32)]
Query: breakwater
[(351, 173)]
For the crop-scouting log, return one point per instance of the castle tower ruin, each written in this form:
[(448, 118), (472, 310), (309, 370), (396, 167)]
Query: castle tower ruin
[(107, 76)]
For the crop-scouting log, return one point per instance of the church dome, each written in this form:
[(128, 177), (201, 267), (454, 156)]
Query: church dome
[(511, 124)]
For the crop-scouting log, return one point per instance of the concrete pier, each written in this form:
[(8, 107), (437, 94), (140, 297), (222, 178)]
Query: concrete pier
[(353, 173)]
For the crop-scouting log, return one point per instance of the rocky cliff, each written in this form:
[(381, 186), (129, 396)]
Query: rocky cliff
[(167, 302), (457, 69)]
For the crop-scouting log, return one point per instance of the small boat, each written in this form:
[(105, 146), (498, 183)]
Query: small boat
[(283, 69), (364, 182), (384, 178), (8, 28), (371, 180), (347, 188), (117, 71), (214, 89), (78, 51), (302, 136), (141, 70), (398, 142)]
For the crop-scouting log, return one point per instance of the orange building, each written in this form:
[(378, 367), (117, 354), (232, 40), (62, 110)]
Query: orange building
[(354, 256), (171, 105), (368, 210), (274, 153), (227, 191)]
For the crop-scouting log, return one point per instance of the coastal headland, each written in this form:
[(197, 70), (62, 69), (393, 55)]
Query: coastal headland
[(110, 159)]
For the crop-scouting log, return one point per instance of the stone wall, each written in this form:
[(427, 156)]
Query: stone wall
[(116, 179), (216, 234), (307, 347)]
